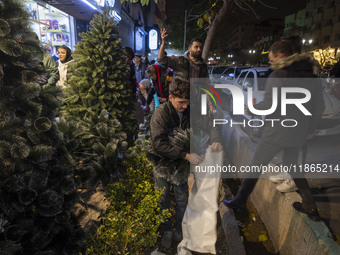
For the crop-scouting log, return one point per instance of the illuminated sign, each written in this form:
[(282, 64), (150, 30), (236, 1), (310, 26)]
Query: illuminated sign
[(112, 3), (139, 41), (153, 39), (115, 15)]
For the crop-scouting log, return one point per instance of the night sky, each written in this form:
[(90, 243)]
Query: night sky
[(284, 8)]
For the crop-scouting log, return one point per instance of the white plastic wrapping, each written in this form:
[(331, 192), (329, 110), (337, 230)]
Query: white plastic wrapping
[(200, 218)]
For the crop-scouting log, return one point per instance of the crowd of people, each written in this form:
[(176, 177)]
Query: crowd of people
[(163, 88)]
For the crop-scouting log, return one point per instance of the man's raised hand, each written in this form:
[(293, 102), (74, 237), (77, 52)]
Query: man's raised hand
[(164, 35)]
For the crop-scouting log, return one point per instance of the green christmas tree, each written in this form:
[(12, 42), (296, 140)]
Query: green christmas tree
[(37, 188), (98, 116)]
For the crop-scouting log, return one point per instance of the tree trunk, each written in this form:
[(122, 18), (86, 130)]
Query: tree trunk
[(213, 28)]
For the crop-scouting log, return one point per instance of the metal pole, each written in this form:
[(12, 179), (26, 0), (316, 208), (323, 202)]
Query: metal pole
[(185, 29)]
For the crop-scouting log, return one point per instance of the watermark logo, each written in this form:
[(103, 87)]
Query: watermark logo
[(279, 99), (238, 100), (204, 98)]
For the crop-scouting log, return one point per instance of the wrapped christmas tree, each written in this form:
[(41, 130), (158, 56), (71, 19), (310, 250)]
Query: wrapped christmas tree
[(98, 113), (37, 188)]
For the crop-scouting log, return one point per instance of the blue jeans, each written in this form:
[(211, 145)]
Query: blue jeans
[(181, 195)]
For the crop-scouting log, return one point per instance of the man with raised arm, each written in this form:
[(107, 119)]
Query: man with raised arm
[(189, 66)]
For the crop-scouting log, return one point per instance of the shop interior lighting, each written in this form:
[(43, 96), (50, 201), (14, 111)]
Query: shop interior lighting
[(89, 4)]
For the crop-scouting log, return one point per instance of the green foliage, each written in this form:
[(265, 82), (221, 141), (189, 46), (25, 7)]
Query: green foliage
[(37, 187), (96, 143), (99, 77), (131, 222), (98, 112)]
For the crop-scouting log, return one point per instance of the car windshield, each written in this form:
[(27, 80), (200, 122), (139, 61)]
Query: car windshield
[(261, 79), (218, 69), (238, 70)]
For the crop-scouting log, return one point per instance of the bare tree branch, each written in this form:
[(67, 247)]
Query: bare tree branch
[(250, 8), (265, 5), (196, 16)]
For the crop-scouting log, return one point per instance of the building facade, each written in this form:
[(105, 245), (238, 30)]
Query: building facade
[(319, 26)]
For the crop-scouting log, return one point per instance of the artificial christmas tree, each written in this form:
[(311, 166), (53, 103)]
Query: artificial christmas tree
[(98, 85), (37, 188)]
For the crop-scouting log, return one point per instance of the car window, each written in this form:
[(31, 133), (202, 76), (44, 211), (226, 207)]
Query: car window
[(261, 81), (249, 81), (239, 70), (229, 72), (218, 69), (241, 78)]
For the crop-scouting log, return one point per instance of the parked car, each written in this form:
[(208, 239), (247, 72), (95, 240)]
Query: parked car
[(215, 73), (253, 78), (231, 73)]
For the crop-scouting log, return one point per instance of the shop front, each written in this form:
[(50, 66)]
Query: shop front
[(53, 26), (59, 22)]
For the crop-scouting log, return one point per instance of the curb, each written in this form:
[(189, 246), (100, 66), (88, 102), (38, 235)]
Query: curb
[(290, 231), (231, 230)]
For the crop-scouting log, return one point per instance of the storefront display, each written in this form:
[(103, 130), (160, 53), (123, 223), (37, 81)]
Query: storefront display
[(53, 27)]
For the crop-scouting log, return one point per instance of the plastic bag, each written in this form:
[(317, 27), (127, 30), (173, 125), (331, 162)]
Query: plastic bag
[(200, 218)]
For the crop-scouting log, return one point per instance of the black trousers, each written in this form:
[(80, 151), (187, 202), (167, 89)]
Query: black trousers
[(263, 155)]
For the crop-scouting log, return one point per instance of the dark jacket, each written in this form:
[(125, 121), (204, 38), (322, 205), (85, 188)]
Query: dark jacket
[(298, 68), (163, 122), (185, 67), (132, 78)]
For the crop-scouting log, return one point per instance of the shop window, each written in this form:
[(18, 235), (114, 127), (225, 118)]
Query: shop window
[(52, 26)]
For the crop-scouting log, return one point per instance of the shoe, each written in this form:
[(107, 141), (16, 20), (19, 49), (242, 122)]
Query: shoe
[(166, 239), (278, 178), (311, 213), (177, 237), (287, 186), (240, 208)]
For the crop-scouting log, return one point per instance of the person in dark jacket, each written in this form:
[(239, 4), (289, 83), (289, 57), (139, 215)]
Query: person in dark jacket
[(167, 118), (172, 114), (276, 138), (189, 66), (128, 55)]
